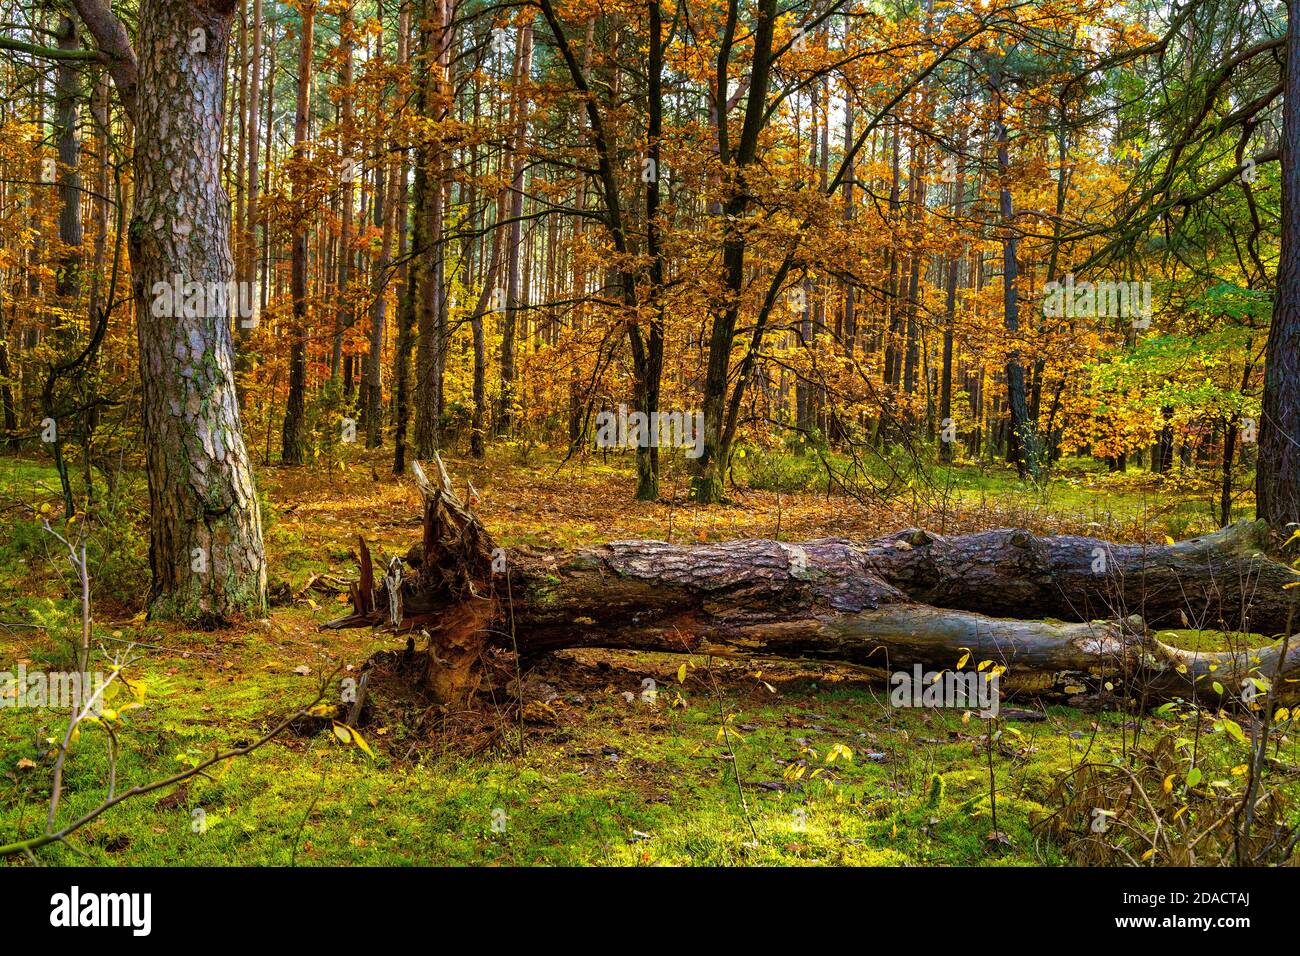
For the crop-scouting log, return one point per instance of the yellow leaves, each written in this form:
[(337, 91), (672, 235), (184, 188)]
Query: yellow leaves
[(838, 751), (350, 735), (1168, 785), (726, 730)]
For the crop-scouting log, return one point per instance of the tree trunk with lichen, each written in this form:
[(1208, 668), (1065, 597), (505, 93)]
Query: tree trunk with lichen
[(205, 547), (889, 604)]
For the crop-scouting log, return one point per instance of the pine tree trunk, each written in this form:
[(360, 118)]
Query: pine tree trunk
[(293, 444), (1277, 477), (205, 529), (510, 319), (1022, 443)]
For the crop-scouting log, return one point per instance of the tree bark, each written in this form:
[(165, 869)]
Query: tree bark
[(385, 220), (648, 350), (1277, 476), (710, 467), (505, 416), (205, 548), (67, 97), (344, 316), (1023, 437), (292, 447), (431, 341)]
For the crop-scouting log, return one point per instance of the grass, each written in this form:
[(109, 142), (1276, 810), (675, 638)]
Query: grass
[(732, 766)]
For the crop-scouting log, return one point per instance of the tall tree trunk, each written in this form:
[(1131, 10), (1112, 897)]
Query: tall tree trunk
[(709, 467), (431, 342), (67, 96), (477, 431), (406, 297), (1277, 474), (265, 274), (385, 218), (1023, 435), (510, 318), (849, 327), (8, 406), (648, 353), (343, 317), (948, 430), (249, 245), (205, 547), (406, 326), (292, 449)]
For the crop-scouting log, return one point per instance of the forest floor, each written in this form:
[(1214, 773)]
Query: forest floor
[(813, 767)]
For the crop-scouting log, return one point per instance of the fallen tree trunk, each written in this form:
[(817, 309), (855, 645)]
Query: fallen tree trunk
[(903, 600), (1225, 580)]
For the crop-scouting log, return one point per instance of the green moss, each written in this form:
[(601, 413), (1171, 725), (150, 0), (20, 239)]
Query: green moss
[(1212, 640)]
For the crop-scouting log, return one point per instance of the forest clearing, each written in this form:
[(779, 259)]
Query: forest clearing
[(584, 775)]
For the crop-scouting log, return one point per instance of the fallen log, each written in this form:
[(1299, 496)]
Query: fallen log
[(889, 604), (1226, 580)]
